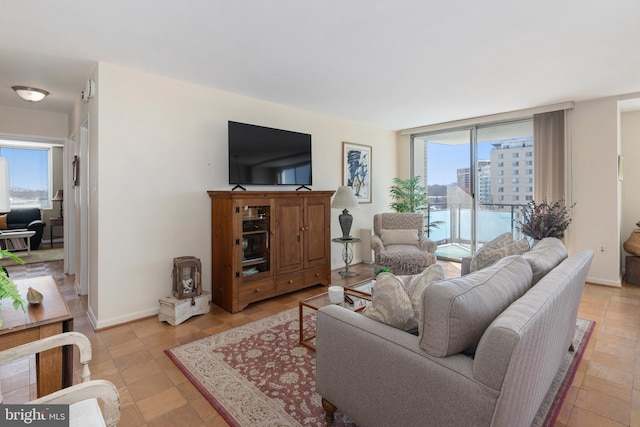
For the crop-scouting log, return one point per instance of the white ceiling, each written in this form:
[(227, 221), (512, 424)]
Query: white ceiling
[(389, 63)]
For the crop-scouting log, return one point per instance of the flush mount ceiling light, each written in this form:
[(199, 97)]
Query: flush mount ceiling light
[(30, 94)]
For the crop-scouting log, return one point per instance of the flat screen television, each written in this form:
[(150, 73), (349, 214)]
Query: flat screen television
[(260, 155)]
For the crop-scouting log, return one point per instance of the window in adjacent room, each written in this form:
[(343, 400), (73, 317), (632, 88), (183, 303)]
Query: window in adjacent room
[(29, 173)]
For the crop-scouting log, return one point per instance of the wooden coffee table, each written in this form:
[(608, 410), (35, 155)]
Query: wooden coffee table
[(360, 293)]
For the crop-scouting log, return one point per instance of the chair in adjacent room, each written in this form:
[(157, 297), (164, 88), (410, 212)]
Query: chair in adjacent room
[(399, 243)]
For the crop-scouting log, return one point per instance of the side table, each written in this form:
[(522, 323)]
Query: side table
[(54, 222), (347, 254)]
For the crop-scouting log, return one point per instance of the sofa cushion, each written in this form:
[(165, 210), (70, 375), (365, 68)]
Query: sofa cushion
[(478, 258), (456, 312), (390, 303), (399, 237), (545, 256), (488, 257)]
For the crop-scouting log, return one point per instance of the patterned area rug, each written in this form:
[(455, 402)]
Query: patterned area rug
[(258, 375)]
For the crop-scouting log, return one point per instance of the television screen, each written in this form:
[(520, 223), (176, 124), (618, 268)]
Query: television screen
[(260, 155)]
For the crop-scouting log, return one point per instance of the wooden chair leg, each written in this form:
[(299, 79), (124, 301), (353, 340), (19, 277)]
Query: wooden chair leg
[(330, 410)]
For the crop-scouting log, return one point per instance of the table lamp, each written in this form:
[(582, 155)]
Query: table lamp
[(59, 197), (345, 199)]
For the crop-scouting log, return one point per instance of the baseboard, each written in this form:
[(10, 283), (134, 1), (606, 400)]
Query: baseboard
[(605, 282), (128, 318)]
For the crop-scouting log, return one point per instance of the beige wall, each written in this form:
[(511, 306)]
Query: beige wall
[(160, 145)]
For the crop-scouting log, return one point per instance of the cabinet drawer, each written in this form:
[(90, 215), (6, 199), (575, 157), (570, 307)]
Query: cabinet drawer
[(317, 275), (255, 291), (289, 283)]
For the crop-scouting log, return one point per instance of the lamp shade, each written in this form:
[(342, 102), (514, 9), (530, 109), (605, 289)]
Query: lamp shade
[(4, 185), (59, 196), (344, 198)]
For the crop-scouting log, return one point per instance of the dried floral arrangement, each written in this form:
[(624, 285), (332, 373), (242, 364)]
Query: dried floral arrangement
[(544, 220)]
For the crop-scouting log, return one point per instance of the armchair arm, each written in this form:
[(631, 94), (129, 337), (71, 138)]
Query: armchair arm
[(36, 223), (96, 389), (427, 244), (376, 243), (376, 360), (34, 347)]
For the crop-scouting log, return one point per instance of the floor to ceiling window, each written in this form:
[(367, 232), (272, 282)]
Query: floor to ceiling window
[(477, 178)]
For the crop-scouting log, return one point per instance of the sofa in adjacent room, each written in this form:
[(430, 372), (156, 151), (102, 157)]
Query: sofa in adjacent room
[(24, 219), (490, 343)]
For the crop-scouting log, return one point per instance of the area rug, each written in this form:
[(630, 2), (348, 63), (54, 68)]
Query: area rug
[(258, 374), (42, 254)]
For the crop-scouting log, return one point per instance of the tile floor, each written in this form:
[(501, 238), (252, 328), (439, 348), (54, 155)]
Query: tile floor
[(153, 392)]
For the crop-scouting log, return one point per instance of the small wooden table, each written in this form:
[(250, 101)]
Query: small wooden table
[(54, 222), (54, 368)]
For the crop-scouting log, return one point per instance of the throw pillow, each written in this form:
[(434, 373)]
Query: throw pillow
[(545, 256), (478, 258), (415, 286), (457, 311), (3, 222), (399, 237), (489, 257), (390, 303)]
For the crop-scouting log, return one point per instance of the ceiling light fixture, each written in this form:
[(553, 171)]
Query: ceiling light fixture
[(30, 94)]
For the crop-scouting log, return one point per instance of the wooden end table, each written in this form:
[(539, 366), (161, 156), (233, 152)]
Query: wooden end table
[(54, 368), (360, 300)]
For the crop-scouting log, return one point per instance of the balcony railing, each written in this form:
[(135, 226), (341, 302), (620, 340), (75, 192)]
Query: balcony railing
[(454, 234)]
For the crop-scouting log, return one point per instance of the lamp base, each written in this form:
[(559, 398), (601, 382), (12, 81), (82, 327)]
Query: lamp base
[(345, 219)]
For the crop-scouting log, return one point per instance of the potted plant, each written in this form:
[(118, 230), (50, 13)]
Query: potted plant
[(8, 289), (409, 196), (540, 220)]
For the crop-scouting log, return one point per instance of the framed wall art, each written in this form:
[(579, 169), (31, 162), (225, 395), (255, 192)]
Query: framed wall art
[(356, 170)]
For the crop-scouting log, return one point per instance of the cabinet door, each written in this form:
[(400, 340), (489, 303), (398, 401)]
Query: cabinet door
[(317, 225), (288, 232), (253, 244)]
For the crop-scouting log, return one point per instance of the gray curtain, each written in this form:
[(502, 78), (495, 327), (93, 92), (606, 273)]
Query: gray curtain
[(549, 157)]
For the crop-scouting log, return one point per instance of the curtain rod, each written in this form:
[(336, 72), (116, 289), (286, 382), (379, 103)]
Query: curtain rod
[(490, 118)]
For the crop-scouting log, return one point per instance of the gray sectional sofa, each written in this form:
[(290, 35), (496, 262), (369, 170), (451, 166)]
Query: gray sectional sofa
[(490, 345)]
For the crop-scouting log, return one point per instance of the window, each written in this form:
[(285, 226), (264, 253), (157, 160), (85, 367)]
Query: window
[(515, 198), (529, 171), (529, 198), (515, 181), (515, 155), (515, 164), (529, 180), (29, 174), (501, 156), (516, 172), (500, 180), (501, 190), (528, 163), (529, 189), (528, 154), (500, 164)]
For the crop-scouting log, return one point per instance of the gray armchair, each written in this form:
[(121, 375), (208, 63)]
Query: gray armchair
[(399, 243)]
